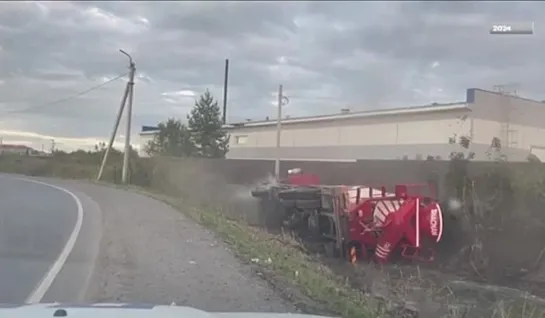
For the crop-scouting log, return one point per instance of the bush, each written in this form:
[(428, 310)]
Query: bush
[(500, 219)]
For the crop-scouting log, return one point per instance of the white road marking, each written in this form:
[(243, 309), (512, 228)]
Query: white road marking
[(40, 290)]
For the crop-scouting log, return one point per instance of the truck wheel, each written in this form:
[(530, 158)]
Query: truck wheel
[(271, 213)]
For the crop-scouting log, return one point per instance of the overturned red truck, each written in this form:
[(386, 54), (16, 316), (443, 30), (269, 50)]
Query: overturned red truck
[(356, 221)]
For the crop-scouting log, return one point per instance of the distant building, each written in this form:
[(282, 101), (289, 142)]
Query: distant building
[(147, 133), (412, 133), (16, 149), (402, 133)]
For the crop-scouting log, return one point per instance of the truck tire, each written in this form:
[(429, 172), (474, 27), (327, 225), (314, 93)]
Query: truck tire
[(272, 213)]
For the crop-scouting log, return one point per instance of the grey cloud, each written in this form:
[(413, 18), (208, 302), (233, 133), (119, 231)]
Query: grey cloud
[(328, 55), (225, 19)]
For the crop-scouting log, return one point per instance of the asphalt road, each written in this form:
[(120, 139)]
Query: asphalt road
[(72, 241), (39, 227)]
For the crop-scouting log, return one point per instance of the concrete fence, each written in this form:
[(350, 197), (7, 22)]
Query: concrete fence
[(367, 172)]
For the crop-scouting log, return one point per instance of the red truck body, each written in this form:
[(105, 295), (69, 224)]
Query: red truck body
[(303, 179)]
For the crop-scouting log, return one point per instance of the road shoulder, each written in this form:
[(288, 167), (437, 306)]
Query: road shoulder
[(152, 253)]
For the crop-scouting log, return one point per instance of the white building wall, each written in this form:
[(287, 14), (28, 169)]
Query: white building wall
[(485, 130), (522, 139), (144, 138), (516, 121), (527, 137), (331, 138), (430, 129)]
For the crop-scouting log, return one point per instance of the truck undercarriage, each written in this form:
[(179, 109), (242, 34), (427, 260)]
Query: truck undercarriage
[(356, 222)]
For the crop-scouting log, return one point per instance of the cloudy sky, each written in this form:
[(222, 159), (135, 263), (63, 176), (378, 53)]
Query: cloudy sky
[(328, 55)]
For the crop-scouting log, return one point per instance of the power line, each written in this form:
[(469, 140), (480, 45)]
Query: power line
[(65, 99)]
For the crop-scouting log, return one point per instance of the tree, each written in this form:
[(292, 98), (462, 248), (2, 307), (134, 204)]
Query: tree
[(100, 147), (205, 125), (173, 139)]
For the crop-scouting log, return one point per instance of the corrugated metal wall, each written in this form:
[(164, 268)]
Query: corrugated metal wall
[(369, 172)]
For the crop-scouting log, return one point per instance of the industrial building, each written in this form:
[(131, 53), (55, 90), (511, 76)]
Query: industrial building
[(402, 133)]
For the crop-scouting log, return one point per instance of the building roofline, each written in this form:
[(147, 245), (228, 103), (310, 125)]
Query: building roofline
[(16, 146), (148, 133), (148, 130), (501, 94), (358, 114), (470, 99)]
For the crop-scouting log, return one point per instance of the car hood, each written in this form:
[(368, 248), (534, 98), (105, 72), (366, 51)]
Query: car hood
[(107, 310)]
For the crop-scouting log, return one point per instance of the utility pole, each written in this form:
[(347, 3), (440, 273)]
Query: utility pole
[(128, 89), (225, 85), (130, 84), (282, 101)]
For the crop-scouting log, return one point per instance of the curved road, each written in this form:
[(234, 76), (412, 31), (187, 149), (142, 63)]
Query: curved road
[(39, 227), (72, 241)]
